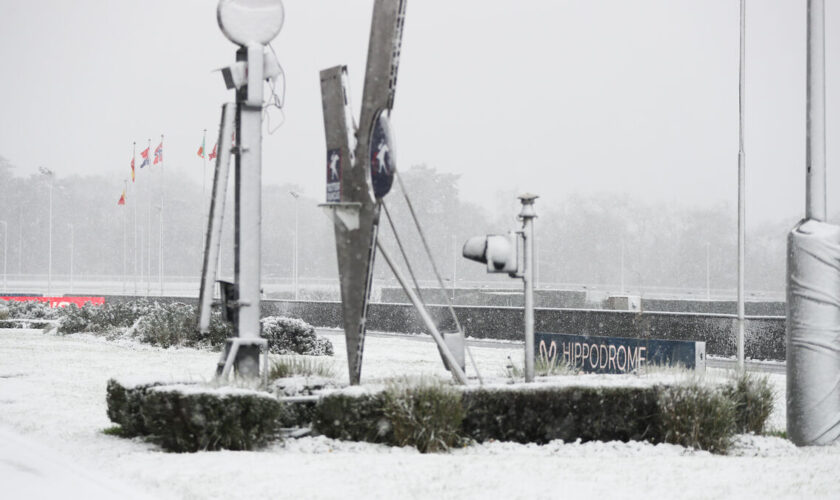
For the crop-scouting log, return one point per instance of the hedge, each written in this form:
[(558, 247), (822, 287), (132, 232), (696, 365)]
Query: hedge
[(435, 416), (188, 418)]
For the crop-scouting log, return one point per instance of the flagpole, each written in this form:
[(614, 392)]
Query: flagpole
[(134, 193), (204, 182), (149, 229), (160, 226), (125, 241)]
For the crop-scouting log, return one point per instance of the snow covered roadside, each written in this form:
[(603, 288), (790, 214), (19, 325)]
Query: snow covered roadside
[(52, 391)]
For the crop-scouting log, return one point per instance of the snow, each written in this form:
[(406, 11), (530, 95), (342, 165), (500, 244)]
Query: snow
[(52, 413)]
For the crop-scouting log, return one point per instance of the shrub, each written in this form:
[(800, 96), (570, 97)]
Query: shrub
[(541, 414), (753, 398), (102, 318), (353, 418), (291, 366), (293, 336), (697, 416), (176, 324), (188, 418), (125, 404), (33, 310), (180, 419), (427, 416)]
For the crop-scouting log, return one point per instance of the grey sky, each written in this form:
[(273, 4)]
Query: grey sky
[(553, 97)]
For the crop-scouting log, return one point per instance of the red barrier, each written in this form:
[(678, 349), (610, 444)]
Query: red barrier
[(59, 301)]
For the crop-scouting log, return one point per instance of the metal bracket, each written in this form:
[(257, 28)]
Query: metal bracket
[(345, 214)]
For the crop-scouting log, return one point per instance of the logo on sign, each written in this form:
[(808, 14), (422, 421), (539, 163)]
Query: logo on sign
[(334, 175), (381, 158)]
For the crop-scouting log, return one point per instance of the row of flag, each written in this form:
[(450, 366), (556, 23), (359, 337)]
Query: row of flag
[(158, 158)]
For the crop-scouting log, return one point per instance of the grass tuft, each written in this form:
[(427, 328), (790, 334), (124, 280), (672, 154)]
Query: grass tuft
[(753, 397), (697, 416), (304, 366)]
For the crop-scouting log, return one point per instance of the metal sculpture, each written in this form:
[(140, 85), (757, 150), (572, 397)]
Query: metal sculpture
[(360, 167)]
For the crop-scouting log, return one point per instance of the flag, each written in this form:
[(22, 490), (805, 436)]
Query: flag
[(145, 155), (201, 149), (158, 154), (132, 169), (122, 198), (213, 153)]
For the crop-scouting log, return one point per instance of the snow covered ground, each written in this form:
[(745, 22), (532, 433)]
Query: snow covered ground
[(52, 413)]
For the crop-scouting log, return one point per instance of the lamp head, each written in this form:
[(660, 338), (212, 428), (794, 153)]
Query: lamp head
[(246, 22)]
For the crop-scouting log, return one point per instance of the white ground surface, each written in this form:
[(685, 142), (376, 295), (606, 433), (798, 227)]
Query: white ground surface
[(52, 413)]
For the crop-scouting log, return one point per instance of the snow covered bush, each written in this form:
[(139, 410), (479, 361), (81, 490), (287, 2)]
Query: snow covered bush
[(542, 414), (125, 402), (293, 336), (426, 415), (176, 324), (697, 416), (353, 417), (103, 318), (188, 417), (753, 397), (29, 309)]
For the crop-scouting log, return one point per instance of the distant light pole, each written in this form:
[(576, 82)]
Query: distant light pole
[(5, 253), (51, 175), (708, 274), (71, 257), (454, 265), (296, 196)]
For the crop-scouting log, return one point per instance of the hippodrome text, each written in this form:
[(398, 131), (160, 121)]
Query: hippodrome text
[(614, 354)]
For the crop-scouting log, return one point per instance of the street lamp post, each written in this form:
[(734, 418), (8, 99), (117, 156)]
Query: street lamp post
[(5, 253), (296, 196), (51, 175)]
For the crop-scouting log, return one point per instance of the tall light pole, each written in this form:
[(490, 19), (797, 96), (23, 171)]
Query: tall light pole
[(5, 253), (51, 175), (296, 196), (741, 194)]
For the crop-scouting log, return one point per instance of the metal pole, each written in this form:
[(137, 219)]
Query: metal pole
[(212, 249), (5, 252), (160, 226), (136, 199), (708, 273), (454, 365), (72, 251), (527, 215), (815, 194), (295, 250), (125, 239), (454, 265), (741, 190), (49, 272), (20, 241), (622, 266), (248, 206), (149, 230)]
